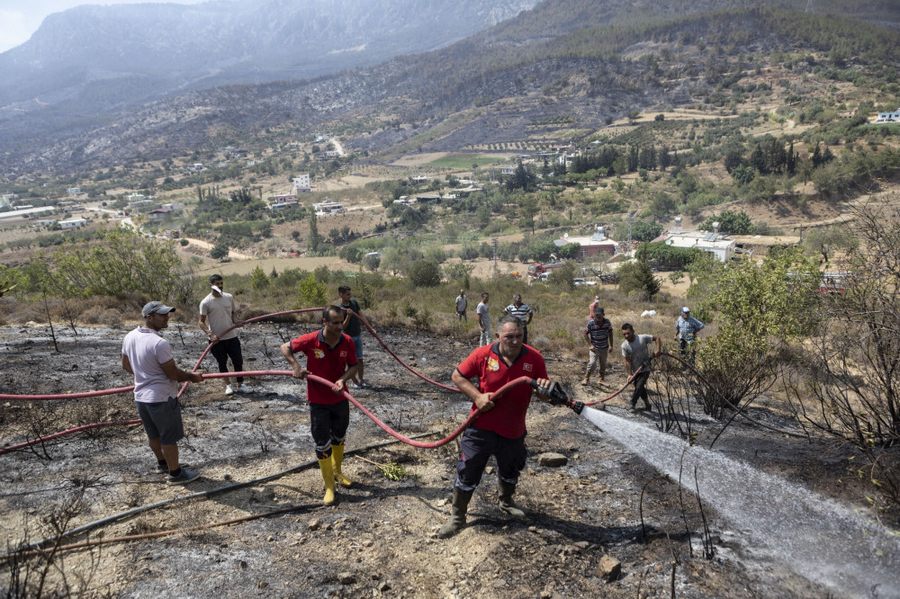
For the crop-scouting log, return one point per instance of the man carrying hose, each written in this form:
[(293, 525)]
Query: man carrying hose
[(148, 356), (331, 355), (636, 352), (500, 428)]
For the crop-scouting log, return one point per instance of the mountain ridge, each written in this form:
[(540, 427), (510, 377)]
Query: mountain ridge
[(587, 74)]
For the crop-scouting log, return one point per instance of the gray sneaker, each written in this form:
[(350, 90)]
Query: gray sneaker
[(185, 476)]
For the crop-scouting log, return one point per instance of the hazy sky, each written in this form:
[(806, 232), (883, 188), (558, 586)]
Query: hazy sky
[(20, 18)]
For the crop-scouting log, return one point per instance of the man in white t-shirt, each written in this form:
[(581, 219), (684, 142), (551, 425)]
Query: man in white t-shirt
[(462, 302), (148, 356), (484, 320), (218, 319)]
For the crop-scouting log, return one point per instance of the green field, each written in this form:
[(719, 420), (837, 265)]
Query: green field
[(465, 161)]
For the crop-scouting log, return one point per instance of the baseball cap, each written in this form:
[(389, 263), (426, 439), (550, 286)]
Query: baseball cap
[(156, 308), (685, 309)]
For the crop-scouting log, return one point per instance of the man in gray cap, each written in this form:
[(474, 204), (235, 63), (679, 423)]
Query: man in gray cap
[(686, 329), (148, 356)]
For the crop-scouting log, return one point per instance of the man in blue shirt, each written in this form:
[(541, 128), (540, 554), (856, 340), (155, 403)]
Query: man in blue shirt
[(686, 329)]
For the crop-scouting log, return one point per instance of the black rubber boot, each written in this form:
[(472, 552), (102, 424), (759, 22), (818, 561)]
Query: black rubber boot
[(507, 505), (458, 510)]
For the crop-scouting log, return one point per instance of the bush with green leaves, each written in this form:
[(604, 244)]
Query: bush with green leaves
[(637, 276), (424, 273), (758, 307), (312, 293), (730, 223), (668, 257), (258, 279), (119, 264)]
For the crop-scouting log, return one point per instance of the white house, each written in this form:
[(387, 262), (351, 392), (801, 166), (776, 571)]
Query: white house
[(23, 212), (135, 197), (722, 249), (888, 117), (302, 183), (282, 201), (72, 223), (328, 208)]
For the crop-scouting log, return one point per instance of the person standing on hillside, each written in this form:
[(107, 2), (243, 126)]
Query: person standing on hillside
[(636, 352), (353, 327), (599, 335), (499, 430), (148, 357), (521, 311), (462, 302), (484, 319), (218, 319), (686, 329), (331, 355), (593, 307)]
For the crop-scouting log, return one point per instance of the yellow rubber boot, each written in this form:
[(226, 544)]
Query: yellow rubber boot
[(337, 458), (328, 477)]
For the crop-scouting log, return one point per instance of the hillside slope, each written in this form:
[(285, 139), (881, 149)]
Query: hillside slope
[(516, 76)]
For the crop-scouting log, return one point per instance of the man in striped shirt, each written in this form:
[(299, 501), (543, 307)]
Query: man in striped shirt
[(599, 335), (521, 311)]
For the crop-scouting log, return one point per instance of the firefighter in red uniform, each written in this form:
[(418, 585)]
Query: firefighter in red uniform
[(500, 429), (330, 354)]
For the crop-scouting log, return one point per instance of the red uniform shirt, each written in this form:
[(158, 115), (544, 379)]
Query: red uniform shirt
[(507, 418), (324, 361)]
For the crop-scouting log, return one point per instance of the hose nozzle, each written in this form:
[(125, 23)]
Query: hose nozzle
[(557, 394)]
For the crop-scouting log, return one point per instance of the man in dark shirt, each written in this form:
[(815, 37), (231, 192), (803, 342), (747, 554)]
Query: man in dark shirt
[(353, 327)]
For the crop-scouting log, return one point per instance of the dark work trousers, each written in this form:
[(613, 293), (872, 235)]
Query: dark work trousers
[(229, 348), (477, 446), (328, 423), (640, 388)]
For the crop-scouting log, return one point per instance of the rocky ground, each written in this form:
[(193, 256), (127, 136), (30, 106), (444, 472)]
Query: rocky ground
[(604, 523)]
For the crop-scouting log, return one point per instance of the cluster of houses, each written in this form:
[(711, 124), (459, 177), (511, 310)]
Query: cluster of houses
[(598, 246)]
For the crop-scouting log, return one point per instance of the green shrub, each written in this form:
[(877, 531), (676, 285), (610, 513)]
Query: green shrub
[(425, 273)]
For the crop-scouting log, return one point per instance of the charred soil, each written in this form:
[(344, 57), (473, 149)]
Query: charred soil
[(379, 539)]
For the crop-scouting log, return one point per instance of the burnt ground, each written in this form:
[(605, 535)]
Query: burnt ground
[(378, 540)]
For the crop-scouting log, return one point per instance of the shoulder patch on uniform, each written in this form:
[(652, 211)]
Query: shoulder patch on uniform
[(527, 367)]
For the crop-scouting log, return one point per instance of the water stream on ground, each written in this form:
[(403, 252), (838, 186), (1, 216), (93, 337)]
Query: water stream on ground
[(816, 537)]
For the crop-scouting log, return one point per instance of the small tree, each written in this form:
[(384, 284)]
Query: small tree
[(425, 273), (312, 293), (371, 261), (759, 307), (564, 276), (826, 241), (258, 279), (315, 240), (219, 251), (638, 276)]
